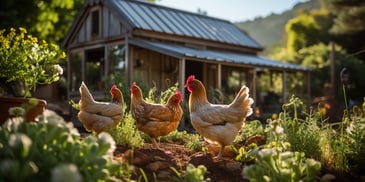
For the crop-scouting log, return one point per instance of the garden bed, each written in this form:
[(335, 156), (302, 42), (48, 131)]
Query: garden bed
[(159, 164)]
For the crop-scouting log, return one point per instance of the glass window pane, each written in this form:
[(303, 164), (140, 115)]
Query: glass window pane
[(75, 80)]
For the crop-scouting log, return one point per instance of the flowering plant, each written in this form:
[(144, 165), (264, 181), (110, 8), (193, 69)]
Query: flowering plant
[(25, 62)]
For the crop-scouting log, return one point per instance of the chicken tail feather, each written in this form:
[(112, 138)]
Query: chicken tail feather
[(243, 100), (85, 93)]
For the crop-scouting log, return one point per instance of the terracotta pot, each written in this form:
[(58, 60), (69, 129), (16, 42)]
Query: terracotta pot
[(8, 102)]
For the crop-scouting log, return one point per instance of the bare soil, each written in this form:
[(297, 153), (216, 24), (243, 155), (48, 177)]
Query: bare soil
[(157, 164)]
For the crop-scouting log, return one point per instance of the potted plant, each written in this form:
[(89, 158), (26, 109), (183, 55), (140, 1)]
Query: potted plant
[(25, 62)]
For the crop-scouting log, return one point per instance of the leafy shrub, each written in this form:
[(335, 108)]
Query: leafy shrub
[(126, 133), (277, 166), (302, 134), (191, 141), (346, 150), (355, 140), (53, 149)]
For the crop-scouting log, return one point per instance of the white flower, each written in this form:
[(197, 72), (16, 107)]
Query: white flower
[(279, 130), (20, 142), (106, 138), (59, 69), (266, 152), (16, 111), (66, 172)]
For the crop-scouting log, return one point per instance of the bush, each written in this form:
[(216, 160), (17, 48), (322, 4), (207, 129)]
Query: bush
[(53, 149), (277, 166)]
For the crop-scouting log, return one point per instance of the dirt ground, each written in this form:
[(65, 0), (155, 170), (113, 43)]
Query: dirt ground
[(157, 163)]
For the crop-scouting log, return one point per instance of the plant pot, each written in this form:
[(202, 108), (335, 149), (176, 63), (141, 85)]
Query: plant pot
[(8, 102)]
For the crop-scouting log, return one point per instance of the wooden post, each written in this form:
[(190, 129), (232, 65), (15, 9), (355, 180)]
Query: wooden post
[(308, 86), (333, 80), (128, 62), (83, 65), (106, 61), (219, 75), (254, 86), (182, 76), (68, 75), (181, 80), (284, 86)]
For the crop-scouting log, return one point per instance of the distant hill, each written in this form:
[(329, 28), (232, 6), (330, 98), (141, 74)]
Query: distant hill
[(269, 30)]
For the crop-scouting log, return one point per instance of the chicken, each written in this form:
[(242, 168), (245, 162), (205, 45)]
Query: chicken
[(217, 122), (155, 119), (97, 116)]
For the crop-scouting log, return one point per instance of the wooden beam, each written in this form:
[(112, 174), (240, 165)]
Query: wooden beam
[(145, 34)]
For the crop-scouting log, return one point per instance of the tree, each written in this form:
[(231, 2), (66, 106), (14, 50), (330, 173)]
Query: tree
[(306, 29), (47, 19), (349, 24)]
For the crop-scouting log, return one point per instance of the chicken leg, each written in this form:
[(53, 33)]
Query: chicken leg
[(219, 156), (155, 144)]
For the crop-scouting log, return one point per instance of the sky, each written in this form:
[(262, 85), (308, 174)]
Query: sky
[(232, 10)]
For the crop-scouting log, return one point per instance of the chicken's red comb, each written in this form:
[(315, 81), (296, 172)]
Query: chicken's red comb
[(191, 77), (178, 93), (112, 89), (134, 84)]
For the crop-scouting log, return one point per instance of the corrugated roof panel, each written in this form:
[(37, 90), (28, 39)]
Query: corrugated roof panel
[(150, 16), (191, 22), (129, 7), (247, 59), (142, 13), (185, 28), (219, 28), (169, 19), (156, 23), (164, 20), (128, 17)]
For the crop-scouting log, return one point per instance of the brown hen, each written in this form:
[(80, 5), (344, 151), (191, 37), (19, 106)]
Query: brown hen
[(155, 119), (97, 116)]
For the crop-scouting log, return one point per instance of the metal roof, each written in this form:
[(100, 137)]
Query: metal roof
[(149, 16), (180, 51)]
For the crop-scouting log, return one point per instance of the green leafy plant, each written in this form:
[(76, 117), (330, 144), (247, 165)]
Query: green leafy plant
[(126, 133), (192, 174), (302, 134), (356, 140), (191, 141), (277, 166), (344, 143), (26, 61), (53, 149), (246, 154)]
